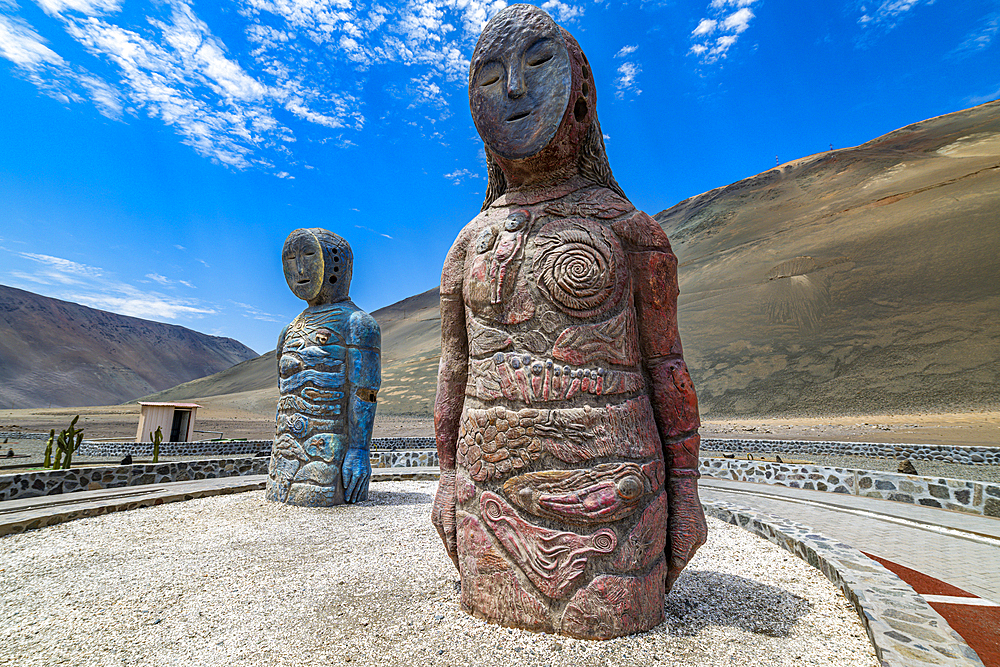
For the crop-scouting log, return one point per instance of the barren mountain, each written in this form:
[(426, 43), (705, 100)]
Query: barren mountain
[(411, 332), (864, 280), (59, 353)]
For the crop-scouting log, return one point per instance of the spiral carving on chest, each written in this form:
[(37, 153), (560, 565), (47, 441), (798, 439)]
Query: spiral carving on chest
[(579, 264)]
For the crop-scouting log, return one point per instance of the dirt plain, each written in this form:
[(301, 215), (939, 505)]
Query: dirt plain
[(974, 428)]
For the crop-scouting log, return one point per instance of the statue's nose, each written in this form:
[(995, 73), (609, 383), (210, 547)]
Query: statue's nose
[(515, 81)]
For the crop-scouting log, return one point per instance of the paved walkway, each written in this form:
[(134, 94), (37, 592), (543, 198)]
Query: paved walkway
[(960, 549)]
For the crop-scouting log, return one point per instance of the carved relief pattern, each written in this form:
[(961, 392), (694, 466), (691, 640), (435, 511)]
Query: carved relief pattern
[(495, 441), (528, 379), (597, 203), (580, 265), (611, 606), (613, 341), (490, 588), (646, 541), (606, 492), (553, 560)]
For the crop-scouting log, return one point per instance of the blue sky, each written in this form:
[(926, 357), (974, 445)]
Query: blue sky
[(155, 155)]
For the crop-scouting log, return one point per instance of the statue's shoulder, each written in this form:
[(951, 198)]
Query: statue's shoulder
[(363, 330), (641, 233)]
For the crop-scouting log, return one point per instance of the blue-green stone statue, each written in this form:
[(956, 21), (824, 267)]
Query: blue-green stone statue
[(328, 378)]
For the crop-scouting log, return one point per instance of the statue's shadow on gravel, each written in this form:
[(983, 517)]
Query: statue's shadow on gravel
[(703, 598), (396, 498)]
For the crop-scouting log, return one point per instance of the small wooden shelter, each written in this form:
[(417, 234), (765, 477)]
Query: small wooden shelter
[(175, 419)]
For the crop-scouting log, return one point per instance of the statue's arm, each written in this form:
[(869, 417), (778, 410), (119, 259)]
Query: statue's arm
[(364, 369), (675, 404), (452, 376), (277, 351)]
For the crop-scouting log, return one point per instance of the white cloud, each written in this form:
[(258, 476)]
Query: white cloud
[(156, 277), (24, 47), (980, 38), (707, 44), (626, 50), (625, 81), (257, 314), (86, 7), (458, 176), (147, 305), (705, 26), (738, 21), (369, 229), (88, 285), (562, 12), (61, 266)]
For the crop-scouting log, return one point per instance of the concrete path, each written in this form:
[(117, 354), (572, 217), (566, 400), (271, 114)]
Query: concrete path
[(960, 549)]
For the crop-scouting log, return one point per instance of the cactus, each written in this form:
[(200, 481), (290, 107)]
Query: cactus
[(157, 438), (48, 449), (68, 442)]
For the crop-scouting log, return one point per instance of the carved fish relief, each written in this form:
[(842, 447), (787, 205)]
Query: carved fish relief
[(606, 492)]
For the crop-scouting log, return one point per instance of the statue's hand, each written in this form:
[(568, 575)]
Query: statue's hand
[(356, 472), (443, 513), (687, 529)]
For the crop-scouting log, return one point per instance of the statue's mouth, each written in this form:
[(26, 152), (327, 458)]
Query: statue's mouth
[(518, 116), (303, 281)]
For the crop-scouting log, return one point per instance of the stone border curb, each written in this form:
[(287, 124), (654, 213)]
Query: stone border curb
[(968, 496), (903, 628), (53, 482), (19, 520), (945, 453)]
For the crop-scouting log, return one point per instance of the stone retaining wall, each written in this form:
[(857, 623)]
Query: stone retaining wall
[(946, 453), (904, 629), (52, 482), (195, 448), (954, 494), (403, 459), (917, 452), (226, 448)]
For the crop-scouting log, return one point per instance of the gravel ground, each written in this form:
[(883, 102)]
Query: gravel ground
[(236, 580), (924, 468)]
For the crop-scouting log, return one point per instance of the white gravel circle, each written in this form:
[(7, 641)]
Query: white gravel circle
[(237, 580)]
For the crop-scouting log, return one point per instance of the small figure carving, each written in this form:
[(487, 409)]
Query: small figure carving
[(328, 377), (565, 418)]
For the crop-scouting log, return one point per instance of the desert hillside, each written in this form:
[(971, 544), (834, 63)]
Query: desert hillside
[(411, 332), (860, 280), (57, 353), (864, 280)]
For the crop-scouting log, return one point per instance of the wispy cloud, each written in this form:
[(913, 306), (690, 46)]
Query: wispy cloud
[(625, 80), (627, 50), (92, 286), (255, 313), (887, 13), (715, 34), (167, 282), (980, 38), (459, 176), (242, 108), (562, 12), (369, 229)]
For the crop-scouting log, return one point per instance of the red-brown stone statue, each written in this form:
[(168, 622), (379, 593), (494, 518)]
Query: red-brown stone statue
[(566, 421)]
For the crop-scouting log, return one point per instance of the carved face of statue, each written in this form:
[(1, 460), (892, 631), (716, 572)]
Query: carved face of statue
[(520, 82), (318, 265), (302, 260)]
